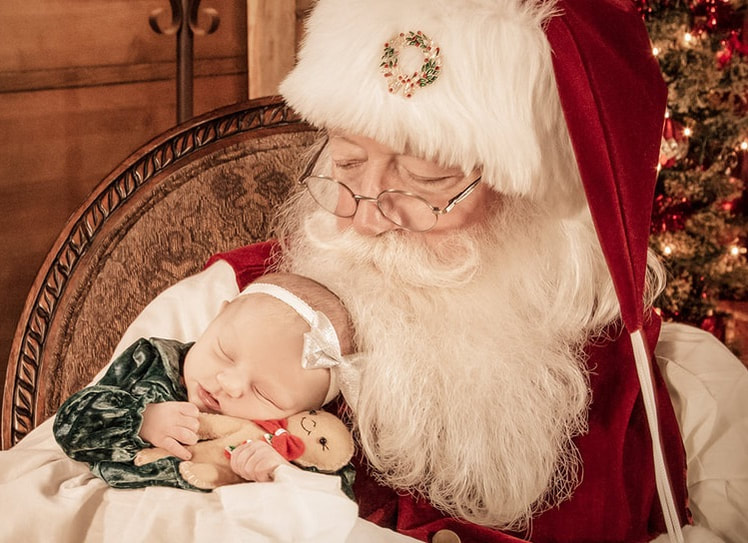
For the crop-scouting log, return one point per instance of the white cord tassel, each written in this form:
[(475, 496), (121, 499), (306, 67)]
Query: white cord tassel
[(664, 489)]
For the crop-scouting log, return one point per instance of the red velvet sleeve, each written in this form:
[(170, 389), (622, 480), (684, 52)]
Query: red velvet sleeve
[(249, 262)]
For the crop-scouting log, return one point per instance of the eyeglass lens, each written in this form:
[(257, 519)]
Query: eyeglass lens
[(405, 210)]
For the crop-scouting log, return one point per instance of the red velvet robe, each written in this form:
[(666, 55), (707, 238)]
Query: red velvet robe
[(617, 498)]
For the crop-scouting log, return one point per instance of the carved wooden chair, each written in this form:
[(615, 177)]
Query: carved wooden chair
[(203, 187)]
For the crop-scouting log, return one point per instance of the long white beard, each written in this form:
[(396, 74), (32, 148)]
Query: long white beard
[(473, 378)]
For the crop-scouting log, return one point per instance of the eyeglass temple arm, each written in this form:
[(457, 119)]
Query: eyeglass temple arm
[(460, 197), (313, 162)]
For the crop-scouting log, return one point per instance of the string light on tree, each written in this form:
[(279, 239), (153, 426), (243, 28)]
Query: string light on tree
[(699, 223), (736, 250)]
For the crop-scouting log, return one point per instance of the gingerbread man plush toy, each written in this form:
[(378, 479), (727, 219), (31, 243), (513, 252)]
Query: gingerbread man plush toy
[(315, 440)]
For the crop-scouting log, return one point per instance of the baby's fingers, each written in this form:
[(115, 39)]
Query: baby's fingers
[(185, 435), (255, 461), (187, 416), (189, 409), (176, 449)]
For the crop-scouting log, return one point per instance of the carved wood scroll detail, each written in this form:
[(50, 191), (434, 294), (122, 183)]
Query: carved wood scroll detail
[(261, 114)]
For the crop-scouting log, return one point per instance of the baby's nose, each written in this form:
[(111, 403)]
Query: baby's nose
[(230, 385)]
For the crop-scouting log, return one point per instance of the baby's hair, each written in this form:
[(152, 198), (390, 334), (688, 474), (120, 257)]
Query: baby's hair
[(319, 298)]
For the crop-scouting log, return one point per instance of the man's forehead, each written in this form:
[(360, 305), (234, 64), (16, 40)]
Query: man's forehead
[(407, 150)]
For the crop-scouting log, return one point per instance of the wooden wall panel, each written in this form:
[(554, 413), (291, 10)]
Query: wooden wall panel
[(51, 37), (271, 44), (275, 29), (83, 83)]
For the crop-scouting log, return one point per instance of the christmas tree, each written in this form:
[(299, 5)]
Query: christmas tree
[(701, 208)]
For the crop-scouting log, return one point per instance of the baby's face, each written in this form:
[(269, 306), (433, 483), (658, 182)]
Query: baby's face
[(248, 363)]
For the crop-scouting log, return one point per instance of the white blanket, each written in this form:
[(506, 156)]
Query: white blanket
[(47, 497)]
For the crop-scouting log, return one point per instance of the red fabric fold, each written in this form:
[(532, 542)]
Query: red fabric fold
[(249, 262), (614, 100)]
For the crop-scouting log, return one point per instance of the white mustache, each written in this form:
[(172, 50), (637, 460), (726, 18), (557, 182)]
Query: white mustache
[(452, 262)]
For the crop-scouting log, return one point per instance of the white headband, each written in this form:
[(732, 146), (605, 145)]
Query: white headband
[(321, 345)]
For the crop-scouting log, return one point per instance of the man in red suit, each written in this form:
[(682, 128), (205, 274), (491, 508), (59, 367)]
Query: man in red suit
[(481, 202)]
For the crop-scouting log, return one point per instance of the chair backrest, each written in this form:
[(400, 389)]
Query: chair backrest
[(203, 187)]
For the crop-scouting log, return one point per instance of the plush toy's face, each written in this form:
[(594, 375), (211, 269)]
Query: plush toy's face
[(328, 443)]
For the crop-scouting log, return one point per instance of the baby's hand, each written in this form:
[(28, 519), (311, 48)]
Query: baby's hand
[(256, 461), (169, 425)]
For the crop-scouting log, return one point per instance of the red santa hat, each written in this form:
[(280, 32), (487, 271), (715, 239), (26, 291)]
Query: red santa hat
[(560, 101)]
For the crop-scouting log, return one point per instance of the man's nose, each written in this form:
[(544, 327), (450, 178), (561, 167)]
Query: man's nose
[(368, 220)]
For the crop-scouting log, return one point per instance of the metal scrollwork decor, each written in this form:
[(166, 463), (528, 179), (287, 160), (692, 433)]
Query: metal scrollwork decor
[(184, 23)]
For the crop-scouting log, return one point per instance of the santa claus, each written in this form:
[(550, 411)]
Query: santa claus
[(480, 200)]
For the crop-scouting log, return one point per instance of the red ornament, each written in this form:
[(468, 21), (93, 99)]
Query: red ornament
[(669, 214), (730, 47), (715, 325)]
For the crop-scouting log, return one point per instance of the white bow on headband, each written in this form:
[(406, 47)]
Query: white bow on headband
[(321, 345)]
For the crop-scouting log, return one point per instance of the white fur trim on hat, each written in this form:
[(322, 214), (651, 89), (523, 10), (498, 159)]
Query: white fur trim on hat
[(493, 106)]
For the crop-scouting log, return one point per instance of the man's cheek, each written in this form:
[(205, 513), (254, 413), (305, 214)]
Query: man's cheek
[(343, 223)]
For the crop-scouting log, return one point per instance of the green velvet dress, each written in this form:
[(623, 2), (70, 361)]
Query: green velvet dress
[(100, 424)]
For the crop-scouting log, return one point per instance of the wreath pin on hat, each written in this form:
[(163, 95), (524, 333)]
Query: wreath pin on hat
[(397, 80)]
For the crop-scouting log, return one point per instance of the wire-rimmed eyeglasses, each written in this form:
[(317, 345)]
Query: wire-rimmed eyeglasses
[(405, 209)]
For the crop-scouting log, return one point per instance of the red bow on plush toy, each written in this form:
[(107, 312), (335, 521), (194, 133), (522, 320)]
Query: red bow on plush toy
[(287, 445)]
